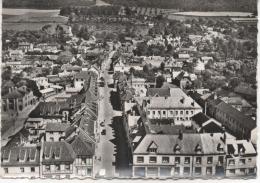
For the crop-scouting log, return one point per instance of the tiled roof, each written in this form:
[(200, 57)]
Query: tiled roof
[(188, 143), (168, 129), (161, 92), (83, 146), (20, 156), (238, 116), (200, 118), (56, 127), (236, 145), (57, 152)]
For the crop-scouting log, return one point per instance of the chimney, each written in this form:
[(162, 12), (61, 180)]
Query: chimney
[(224, 134), (180, 135), (182, 100), (10, 89)]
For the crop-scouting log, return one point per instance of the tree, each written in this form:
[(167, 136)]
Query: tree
[(32, 85), (159, 81), (162, 66), (7, 74), (234, 82)]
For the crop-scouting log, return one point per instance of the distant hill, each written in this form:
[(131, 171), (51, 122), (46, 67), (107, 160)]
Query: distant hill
[(45, 4), (193, 5)]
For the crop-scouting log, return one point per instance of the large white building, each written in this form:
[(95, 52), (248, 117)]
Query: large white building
[(178, 106)]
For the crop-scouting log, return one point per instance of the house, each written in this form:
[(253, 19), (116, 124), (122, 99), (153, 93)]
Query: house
[(241, 158), (17, 99), (232, 119), (55, 131), (57, 160), (25, 47), (183, 80), (41, 82), (16, 54), (181, 155), (20, 162), (138, 84), (178, 107)]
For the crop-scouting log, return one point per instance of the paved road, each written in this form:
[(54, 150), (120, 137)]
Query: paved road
[(105, 148)]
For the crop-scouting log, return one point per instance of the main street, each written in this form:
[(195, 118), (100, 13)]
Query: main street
[(105, 149)]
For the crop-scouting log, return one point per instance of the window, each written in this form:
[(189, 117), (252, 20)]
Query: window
[(242, 161), (84, 161), (140, 159), (187, 112), (251, 170), (197, 170), (164, 112), (60, 133), (148, 112), (32, 169), (249, 160), (242, 170), (47, 168), (187, 160), (152, 159), (191, 112), (209, 160), (177, 160), (171, 112), (57, 167), (165, 171), (209, 170), (89, 171), (51, 132), (221, 159), (152, 171), (232, 171), (198, 160), (186, 170), (153, 112), (165, 159), (89, 161), (159, 112), (67, 167), (177, 170), (181, 112), (231, 162), (6, 170), (139, 171), (176, 112), (22, 170)]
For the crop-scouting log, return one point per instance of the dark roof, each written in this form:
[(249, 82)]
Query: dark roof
[(161, 92), (200, 118), (211, 127), (245, 90), (169, 129), (20, 156), (45, 109), (83, 146), (238, 116), (56, 127), (57, 152)]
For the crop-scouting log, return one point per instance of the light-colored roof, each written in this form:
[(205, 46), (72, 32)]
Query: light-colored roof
[(166, 143), (248, 146), (47, 90), (177, 99)]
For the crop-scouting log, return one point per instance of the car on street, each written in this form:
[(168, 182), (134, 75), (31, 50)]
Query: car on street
[(103, 132), (102, 124)]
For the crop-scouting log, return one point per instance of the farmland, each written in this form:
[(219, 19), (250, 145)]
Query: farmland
[(21, 19)]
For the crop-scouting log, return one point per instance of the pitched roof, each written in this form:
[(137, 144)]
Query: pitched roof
[(57, 152), (169, 129), (45, 109), (20, 156), (238, 116), (161, 92), (200, 118), (56, 127), (83, 146), (188, 143)]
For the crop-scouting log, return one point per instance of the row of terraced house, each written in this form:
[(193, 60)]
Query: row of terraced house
[(58, 139)]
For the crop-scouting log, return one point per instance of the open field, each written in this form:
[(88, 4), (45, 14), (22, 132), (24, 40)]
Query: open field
[(214, 14), (30, 19)]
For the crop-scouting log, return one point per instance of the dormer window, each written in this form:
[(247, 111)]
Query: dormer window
[(177, 148), (220, 147), (22, 154), (152, 147), (57, 153), (6, 155), (32, 155), (198, 148)]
